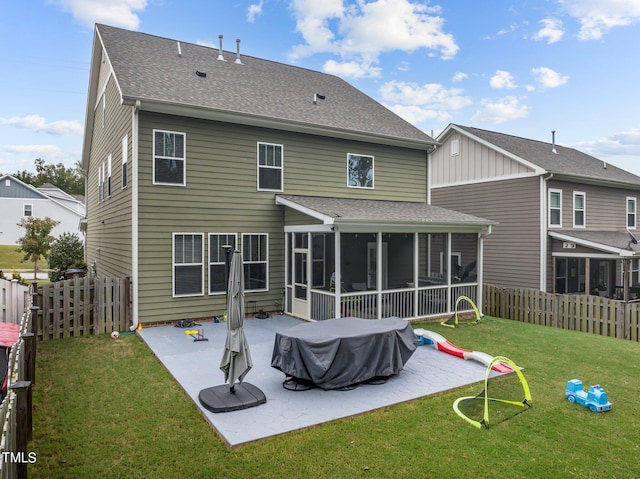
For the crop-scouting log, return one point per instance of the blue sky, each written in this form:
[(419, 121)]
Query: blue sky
[(518, 67)]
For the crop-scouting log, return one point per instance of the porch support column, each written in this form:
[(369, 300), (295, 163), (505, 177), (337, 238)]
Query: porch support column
[(587, 274), (379, 273), (338, 271), (479, 268), (416, 277), (449, 293), (626, 279)]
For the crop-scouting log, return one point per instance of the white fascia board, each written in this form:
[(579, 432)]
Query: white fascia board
[(327, 220), (492, 179)]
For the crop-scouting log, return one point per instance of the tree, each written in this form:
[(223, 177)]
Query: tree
[(66, 252), (69, 180), (37, 239)]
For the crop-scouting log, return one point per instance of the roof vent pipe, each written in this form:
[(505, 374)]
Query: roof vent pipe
[(238, 61), (220, 55), (553, 142), (179, 50)]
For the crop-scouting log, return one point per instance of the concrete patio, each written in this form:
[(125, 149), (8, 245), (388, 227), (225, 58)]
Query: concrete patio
[(195, 365)]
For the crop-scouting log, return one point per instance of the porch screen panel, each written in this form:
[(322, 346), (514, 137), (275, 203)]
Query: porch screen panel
[(400, 262), (433, 259)]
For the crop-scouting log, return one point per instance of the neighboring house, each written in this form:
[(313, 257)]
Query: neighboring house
[(567, 222), (73, 202), (188, 148), (19, 200)]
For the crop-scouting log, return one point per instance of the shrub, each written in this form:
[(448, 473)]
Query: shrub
[(66, 252)]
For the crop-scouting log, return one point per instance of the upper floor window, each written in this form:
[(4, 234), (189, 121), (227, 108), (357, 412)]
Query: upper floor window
[(188, 264), (555, 207), (217, 260), (359, 171), (125, 155), (255, 256), (270, 167), (631, 212), (109, 176), (579, 209), (455, 147), (169, 160), (27, 210)]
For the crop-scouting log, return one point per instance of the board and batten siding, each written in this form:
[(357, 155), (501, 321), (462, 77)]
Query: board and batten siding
[(221, 196), (606, 206), (108, 238), (512, 251), (473, 162)]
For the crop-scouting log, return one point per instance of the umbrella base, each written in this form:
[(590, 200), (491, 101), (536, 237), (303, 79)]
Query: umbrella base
[(220, 398)]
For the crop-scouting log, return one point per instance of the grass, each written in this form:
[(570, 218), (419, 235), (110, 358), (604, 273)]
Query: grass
[(109, 409), (12, 259)]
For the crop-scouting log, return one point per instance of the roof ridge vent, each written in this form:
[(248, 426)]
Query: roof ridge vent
[(238, 61), (220, 55)]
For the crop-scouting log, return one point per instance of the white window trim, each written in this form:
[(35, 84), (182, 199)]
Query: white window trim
[(627, 212), (109, 161), (235, 235), (173, 264), (99, 183), (584, 209), (455, 147), (259, 166), (24, 209), (183, 159), (266, 261), (125, 158), (373, 168), (554, 190)]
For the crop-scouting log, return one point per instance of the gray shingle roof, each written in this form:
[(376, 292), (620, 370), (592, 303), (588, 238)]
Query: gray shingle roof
[(610, 239), (349, 210), (567, 161), (149, 68)]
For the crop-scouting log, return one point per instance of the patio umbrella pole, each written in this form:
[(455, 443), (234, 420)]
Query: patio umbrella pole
[(236, 359)]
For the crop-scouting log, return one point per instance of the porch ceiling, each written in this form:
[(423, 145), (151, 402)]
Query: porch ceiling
[(622, 243), (349, 212)]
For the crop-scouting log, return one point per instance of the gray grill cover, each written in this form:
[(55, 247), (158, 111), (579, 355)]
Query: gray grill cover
[(341, 352)]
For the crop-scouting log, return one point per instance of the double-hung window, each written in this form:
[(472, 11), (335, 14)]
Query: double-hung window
[(360, 173), (631, 212), (169, 162), (270, 167), (188, 264), (125, 155), (555, 208), (27, 210), (217, 260), (579, 209), (255, 255)]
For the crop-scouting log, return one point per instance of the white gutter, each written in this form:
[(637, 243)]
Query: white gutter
[(543, 231), (135, 223)]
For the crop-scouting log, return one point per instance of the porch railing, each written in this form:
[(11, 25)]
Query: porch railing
[(424, 302)]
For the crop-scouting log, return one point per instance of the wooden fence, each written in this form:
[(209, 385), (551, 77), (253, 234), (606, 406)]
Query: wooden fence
[(13, 300), (16, 427), (586, 313), (83, 306)]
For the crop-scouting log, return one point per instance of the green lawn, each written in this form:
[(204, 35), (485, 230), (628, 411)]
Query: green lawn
[(11, 258), (109, 409)]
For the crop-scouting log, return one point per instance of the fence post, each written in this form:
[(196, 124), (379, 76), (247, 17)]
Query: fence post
[(23, 420)]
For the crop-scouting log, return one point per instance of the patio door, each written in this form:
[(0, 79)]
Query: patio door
[(372, 265), (300, 275)]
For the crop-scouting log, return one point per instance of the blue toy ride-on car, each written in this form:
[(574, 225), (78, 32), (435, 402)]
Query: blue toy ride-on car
[(595, 399)]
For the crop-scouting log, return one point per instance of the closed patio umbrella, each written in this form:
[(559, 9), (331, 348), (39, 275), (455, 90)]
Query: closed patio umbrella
[(236, 360)]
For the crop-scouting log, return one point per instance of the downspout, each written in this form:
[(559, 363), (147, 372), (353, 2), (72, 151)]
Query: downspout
[(543, 231), (135, 224)]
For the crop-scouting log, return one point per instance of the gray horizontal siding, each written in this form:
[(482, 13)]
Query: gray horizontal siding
[(512, 251)]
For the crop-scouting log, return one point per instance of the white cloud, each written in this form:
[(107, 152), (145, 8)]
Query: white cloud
[(459, 76), (254, 10), (551, 31), (415, 114), (120, 13), (367, 29), (548, 78), (40, 124), (624, 143), (597, 17), (44, 151), (432, 95), (507, 108), (351, 69), (502, 79)]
